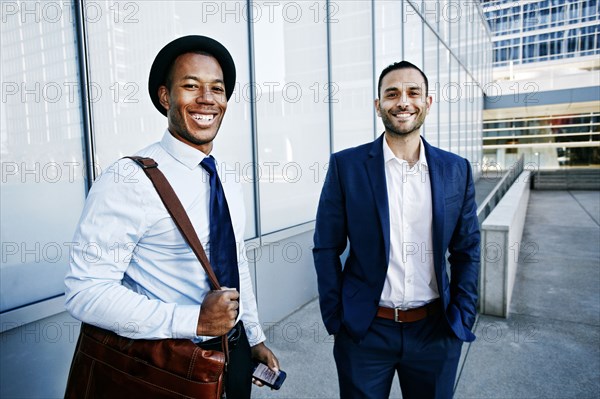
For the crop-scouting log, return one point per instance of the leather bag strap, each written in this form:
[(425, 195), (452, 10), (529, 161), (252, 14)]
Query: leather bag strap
[(177, 212), (181, 219)]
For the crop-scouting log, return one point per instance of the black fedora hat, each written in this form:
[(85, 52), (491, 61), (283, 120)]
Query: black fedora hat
[(186, 44)]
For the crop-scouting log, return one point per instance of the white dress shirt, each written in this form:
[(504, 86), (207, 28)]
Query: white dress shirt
[(131, 270), (410, 280)]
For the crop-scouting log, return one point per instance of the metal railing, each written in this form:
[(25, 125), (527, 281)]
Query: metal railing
[(490, 202)]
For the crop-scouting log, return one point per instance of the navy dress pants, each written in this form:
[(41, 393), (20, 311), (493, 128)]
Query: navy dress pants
[(424, 353)]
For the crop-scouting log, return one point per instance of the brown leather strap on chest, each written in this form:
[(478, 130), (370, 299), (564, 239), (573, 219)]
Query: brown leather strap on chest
[(182, 221)]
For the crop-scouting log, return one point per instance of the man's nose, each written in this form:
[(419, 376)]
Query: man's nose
[(205, 95), (402, 100)]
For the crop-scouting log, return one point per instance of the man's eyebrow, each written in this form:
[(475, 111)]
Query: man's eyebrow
[(411, 86), (192, 77)]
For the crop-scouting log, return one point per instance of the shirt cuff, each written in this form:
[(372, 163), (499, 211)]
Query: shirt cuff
[(255, 333), (185, 321)]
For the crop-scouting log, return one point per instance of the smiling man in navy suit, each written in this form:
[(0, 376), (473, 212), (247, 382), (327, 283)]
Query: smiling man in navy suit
[(400, 204)]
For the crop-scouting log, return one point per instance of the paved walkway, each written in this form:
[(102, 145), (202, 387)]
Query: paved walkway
[(549, 347)]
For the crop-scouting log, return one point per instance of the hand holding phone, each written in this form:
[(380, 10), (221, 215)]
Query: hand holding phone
[(270, 378)]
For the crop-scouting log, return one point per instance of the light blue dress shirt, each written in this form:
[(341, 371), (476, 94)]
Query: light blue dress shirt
[(131, 270)]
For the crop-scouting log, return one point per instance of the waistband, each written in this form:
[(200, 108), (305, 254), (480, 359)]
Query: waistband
[(410, 315)]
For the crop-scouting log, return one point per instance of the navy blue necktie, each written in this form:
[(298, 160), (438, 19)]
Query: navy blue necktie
[(223, 249)]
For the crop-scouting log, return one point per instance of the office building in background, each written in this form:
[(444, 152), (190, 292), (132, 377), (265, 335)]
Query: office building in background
[(544, 101)]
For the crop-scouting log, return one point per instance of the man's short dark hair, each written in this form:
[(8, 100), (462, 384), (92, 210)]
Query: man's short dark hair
[(401, 65)]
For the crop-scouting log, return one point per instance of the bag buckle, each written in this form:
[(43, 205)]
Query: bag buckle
[(145, 163)]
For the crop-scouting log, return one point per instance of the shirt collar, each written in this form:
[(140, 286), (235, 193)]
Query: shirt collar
[(388, 154), (182, 152)]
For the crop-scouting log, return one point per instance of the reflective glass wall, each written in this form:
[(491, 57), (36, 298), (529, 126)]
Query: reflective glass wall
[(545, 99), (74, 99), (534, 31), (550, 141), (41, 149)]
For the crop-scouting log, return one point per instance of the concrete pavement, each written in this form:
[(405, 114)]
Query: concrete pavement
[(549, 347)]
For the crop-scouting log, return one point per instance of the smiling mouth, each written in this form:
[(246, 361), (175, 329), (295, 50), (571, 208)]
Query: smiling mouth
[(203, 117), (402, 115)]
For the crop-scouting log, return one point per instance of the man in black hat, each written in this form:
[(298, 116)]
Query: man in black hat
[(133, 273)]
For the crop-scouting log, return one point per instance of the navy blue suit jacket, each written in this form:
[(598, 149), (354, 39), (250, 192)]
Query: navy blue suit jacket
[(353, 209)]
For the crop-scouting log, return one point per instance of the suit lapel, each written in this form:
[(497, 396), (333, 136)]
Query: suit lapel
[(376, 171), (436, 175)]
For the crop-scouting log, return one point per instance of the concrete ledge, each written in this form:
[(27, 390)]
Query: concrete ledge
[(501, 234)]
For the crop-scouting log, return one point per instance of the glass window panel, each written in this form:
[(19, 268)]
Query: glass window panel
[(293, 123), (543, 50), (42, 187), (413, 37), (473, 124), (445, 94), (572, 42), (430, 9), (472, 25), (430, 64), (352, 74), (531, 19), (122, 45), (464, 122), (573, 12), (388, 33), (480, 49), (454, 18), (478, 134), (479, 125), (463, 32), (558, 14), (486, 56), (388, 39), (454, 96), (444, 23), (516, 18), (515, 53), (590, 11), (543, 18)]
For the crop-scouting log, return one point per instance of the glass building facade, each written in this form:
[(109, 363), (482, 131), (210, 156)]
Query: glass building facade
[(534, 31), (546, 99), (557, 140), (74, 99)]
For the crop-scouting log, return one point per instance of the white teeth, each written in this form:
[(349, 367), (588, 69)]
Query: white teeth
[(200, 117)]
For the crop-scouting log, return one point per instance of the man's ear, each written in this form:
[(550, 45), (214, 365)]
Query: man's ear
[(377, 107), (429, 101), (163, 96)]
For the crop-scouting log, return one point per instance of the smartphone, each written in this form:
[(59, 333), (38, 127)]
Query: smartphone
[(264, 374)]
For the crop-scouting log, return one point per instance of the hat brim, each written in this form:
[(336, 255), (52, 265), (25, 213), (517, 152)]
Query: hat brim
[(165, 57)]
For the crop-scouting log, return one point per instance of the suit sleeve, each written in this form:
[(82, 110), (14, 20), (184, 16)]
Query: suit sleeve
[(330, 241), (464, 257)]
